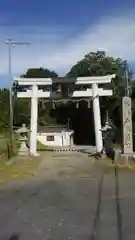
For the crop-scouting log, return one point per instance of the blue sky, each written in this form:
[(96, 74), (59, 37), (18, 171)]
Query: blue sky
[(61, 32)]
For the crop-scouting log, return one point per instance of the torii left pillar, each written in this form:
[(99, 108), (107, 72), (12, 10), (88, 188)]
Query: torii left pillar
[(33, 123)]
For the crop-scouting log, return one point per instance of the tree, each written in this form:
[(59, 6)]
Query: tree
[(4, 109), (39, 73), (98, 64)]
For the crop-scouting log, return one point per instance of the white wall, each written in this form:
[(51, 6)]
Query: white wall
[(60, 139), (66, 138), (57, 139)]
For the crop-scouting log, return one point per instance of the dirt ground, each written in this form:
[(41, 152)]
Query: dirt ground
[(62, 165), (69, 197)]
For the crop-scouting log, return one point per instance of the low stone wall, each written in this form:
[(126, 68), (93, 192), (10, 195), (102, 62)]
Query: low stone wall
[(64, 150), (123, 159), (127, 159)]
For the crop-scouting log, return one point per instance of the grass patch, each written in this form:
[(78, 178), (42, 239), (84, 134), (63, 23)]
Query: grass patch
[(6, 151), (18, 170), (4, 140)]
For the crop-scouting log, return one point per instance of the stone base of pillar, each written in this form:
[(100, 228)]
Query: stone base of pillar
[(127, 158), (23, 151), (34, 154)]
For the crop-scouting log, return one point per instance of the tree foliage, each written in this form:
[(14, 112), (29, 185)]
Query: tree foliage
[(39, 73), (4, 109), (98, 64)]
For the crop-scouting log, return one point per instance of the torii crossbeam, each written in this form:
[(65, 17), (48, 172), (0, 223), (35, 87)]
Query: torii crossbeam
[(52, 89)]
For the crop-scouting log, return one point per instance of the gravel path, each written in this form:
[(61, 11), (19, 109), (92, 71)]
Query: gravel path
[(70, 198)]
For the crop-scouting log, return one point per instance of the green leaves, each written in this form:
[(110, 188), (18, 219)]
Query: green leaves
[(98, 64), (39, 73)]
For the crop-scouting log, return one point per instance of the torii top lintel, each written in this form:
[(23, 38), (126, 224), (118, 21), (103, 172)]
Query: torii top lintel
[(62, 80)]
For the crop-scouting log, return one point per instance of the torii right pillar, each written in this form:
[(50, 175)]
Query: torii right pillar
[(97, 118)]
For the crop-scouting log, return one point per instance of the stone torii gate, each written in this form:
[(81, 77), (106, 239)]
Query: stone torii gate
[(53, 89)]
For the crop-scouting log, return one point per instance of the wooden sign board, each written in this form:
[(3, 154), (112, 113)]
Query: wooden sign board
[(127, 125)]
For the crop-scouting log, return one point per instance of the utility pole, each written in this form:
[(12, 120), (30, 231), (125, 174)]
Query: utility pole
[(11, 44)]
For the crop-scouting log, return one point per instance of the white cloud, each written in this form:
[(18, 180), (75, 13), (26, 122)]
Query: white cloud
[(54, 49)]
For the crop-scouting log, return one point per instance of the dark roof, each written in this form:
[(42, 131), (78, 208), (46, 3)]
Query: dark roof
[(54, 129), (64, 80)]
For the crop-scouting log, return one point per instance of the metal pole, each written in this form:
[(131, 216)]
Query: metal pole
[(11, 118), (10, 90)]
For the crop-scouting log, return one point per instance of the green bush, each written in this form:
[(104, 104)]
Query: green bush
[(7, 150)]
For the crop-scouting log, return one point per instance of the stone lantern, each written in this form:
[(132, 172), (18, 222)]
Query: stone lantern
[(23, 138), (108, 136)]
